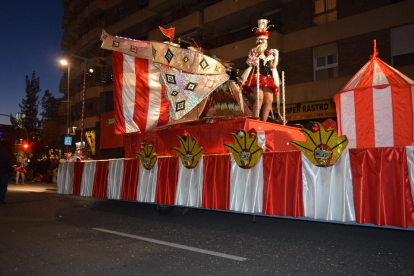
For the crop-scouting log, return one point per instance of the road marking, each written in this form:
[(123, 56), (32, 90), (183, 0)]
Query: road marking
[(176, 245)]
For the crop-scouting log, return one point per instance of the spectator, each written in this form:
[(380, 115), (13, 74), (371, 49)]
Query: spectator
[(6, 168)]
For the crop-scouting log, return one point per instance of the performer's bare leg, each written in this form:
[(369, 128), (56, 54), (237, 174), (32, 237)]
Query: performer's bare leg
[(22, 178), (17, 177), (254, 89), (267, 103)]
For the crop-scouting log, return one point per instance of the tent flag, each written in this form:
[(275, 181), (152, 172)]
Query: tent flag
[(139, 102), (168, 32)]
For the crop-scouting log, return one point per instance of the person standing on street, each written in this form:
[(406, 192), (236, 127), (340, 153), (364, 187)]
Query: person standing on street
[(20, 169), (6, 167)]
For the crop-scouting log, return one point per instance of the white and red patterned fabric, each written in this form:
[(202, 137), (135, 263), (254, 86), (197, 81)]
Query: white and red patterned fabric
[(372, 185), (375, 108), (139, 102)]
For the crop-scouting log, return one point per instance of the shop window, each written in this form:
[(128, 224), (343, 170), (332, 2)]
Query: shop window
[(402, 45), (324, 11), (325, 61)]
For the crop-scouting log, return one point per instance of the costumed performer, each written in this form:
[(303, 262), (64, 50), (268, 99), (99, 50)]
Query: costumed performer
[(262, 64), (20, 170)]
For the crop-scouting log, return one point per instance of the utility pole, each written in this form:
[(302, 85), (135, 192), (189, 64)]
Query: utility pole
[(84, 91)]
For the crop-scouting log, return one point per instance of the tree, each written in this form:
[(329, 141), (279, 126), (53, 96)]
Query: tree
[(49, 103), (49, 138), (29, 105)]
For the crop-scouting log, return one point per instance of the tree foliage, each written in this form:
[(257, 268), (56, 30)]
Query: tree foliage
[(49, 137), (49, 103), (29, 105)]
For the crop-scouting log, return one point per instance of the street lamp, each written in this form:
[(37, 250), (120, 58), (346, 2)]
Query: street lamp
[(65, 63)]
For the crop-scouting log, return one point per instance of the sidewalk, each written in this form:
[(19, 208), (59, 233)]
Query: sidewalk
[(40, 187)]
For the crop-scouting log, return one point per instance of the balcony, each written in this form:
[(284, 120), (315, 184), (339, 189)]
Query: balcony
[(76, 24), (94, 9), (228, 15), (196, 33), (229, 7), (89, 122), (63, 85), (94, 35), (87, 41), (65, 4), (67, 19), (164, 20), (182, 24), (236, 36)]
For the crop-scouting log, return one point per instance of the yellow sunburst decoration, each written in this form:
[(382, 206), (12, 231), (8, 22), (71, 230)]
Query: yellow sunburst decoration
[(245, 151), (147, 155), (322, 148), (189, 151)]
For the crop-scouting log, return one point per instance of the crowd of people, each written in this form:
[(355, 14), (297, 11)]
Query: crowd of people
[(44, 170), (20, 168)]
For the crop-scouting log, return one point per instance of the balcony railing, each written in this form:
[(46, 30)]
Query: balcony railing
[(77, 115), (236, 36), (175, 16), (197, 33)]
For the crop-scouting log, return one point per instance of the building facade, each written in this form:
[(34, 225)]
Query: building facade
[(322, 43)]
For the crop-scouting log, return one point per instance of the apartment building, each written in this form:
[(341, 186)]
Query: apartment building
[(322, 43)]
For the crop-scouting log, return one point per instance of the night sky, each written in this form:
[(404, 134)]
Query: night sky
[(31, 33)]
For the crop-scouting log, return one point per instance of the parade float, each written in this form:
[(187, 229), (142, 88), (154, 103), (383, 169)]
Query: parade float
[(191, 140)]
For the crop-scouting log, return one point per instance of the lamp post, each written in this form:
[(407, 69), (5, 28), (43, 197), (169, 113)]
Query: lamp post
[(64, 62)]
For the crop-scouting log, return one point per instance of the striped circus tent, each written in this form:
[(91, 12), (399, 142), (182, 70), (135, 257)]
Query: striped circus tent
[(370, 185), (375, 108)]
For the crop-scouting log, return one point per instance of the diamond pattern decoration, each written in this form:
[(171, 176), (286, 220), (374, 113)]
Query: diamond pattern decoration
[(191, 86), (170, 78), (204, 64), (186, 59), (153, 52), (174, 93), (134, 49), (169, 55), (180, 106), (115, 43), (209, 83)]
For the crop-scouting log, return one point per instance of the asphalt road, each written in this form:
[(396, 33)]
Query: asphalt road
[(43, 233)]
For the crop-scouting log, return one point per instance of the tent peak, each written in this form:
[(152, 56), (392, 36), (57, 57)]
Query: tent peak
[(374, 55)]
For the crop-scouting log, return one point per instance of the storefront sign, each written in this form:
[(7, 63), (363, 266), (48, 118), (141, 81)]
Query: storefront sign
[(110, 121), (90, 138), (309, 110)]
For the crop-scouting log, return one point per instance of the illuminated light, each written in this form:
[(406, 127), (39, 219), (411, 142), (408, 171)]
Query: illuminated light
[(63, 62)]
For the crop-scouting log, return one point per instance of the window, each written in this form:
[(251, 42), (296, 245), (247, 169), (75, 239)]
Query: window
[(144, 3), (119, 12), (324, 11), (325, 62), (402, 45)]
